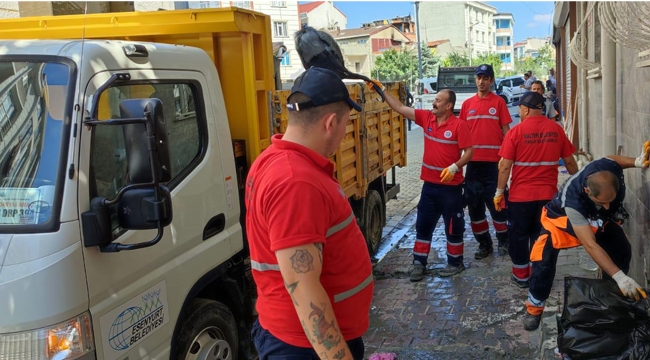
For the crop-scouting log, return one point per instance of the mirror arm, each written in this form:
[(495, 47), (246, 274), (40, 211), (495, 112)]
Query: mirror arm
[(114, 78), (117, 247)]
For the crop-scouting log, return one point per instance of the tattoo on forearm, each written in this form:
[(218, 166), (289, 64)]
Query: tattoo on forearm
[(323, 356), (340, 354), (291, 288), (302, 261), (325, 332), (319, 247), (304, 327)]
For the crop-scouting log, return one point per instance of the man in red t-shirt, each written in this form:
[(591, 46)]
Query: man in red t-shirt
[(309, 259), (488, 119), (531, 150), (447, 148)]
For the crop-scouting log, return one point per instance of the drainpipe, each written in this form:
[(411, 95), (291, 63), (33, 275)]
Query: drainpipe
[(608, 65), (584, 125)]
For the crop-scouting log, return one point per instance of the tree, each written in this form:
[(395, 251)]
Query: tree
[(456, 59), (491, 59), (393, 65), (539, 65), (430, 62)]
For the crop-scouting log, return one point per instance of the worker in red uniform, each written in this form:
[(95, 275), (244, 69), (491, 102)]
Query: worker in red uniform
[(309, 259), (447, 148), (488, 119), (586, 211), (530, 151)]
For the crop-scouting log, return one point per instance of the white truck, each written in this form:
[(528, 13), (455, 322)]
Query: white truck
[(461, 80), (122, 164)]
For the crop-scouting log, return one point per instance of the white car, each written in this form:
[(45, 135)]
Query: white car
[(508, 88), (426, 90)]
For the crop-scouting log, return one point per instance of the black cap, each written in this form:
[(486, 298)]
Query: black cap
[(484, 69), (533, 100), (322, 87)]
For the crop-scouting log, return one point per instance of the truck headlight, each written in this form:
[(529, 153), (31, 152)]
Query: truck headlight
[(65, 341)]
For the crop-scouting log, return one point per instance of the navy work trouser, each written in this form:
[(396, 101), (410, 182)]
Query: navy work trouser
[(524, 226), (435, 201), (480, 186), (271, 348), (611, 238)]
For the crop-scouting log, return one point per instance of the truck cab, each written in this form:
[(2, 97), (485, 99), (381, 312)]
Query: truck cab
[(461, 80)]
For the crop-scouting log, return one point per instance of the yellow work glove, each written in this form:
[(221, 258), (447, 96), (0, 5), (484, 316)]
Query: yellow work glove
[(447, 174), (371, 84), (642, 160), (498, 199), (628, 286)]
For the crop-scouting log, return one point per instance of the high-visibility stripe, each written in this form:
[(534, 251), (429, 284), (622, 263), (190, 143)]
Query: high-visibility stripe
[(432, 167), (420, 254), (355, 290), (442, 141), (423, 241), (264, 267), (340, 226), (479, 227), (500, 226), (487, 147), (567, 184), (455, 249), (521, 266), (540, 163), (489, 117)]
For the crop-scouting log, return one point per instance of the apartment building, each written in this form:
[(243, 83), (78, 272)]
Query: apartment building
[(530, 47), (322, 15), (504, 24), (468, 25)]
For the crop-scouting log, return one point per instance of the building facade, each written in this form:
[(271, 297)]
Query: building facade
[(322, 15), (504, 39), (603, 76), (468, 25), (530, 47), (361, 46)]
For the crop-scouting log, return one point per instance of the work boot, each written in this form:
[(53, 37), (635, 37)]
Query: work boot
[(451, 270), (503, 249), (482, 252), (417, 272), (522, 284), (531, 322)]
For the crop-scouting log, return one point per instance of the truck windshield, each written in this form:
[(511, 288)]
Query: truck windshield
[(458, 81), (33, 100)]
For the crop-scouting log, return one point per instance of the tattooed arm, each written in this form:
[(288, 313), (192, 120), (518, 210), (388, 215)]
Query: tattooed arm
[(301, 269)]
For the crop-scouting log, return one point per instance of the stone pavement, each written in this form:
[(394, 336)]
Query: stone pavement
[(476, 314)]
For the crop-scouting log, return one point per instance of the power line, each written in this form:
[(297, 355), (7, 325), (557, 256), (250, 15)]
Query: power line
[(529, 8)]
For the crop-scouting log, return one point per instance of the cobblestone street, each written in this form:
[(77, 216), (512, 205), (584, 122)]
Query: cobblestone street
[(476, 314)]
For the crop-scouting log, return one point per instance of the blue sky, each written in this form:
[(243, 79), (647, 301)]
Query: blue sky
[(532, 18)]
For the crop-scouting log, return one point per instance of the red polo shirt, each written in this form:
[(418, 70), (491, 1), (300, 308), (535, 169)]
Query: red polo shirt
[(485, 117), (535, 146), (293, 199), (442, 145)]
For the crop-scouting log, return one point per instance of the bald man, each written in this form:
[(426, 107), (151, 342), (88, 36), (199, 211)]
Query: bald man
[(585, 212)]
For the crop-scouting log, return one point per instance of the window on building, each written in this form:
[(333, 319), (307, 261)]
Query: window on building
[(6, 109), (362, 41), (202, 4), (534, 54), (476, 36), (508, 41), (280, 29), (506, 58), (357, 67), (286, 60), (241, 4), (502, 23), (500, 41), (280, 4), (483, 36)]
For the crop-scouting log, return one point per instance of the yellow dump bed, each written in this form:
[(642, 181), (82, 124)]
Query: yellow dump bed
[(239, 43)]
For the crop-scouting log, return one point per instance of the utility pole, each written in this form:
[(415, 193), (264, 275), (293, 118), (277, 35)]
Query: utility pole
[(417, 34)]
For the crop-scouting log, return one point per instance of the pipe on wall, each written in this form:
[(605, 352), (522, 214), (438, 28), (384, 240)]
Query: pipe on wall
[(608, 66), (584, 124)]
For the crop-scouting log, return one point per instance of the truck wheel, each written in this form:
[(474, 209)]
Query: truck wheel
[(373, 223), (209, 332)]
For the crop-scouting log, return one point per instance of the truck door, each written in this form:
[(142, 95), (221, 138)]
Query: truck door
[(136, 296)]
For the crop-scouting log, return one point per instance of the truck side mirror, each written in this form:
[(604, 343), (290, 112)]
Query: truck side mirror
[(139, 209), (136, 141), (96, 224)]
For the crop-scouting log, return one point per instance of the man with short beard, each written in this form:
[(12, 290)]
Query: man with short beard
[(447, 148)]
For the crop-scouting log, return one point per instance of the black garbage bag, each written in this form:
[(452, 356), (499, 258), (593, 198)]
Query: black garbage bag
[(598, 322)]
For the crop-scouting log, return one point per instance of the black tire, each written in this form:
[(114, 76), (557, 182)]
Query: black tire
[(209, 332), (373, 221)]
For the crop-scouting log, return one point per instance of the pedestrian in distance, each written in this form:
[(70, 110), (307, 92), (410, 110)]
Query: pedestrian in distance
[(489, 120), (447, 148), (586, 211), (530, 151), (548, 109), (308, 256)]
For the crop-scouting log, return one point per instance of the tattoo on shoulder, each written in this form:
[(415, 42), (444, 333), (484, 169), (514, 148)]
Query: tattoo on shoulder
[(291, 288), (340, 354), (302, 261), (324, 330), (319, 247)]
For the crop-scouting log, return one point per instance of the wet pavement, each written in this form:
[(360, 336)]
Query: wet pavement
[(475, 314)]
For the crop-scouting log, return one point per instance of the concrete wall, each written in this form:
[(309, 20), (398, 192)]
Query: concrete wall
[(326, 15), (9, 9), (443, 20), (153, 5)]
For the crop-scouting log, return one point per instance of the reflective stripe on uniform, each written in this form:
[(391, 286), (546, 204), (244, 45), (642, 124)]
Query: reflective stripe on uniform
[(264, 267), (442, 141), (432, 167), (346, 294), (489, 117), (340, 226), (487, 147), (542, 163)]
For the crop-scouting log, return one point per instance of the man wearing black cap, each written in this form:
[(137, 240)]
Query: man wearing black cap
[(309, 259), (530, 150), (488, 119)]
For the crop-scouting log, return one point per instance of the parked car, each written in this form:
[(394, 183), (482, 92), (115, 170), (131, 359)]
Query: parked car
[(508, 88), (426, 90)]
